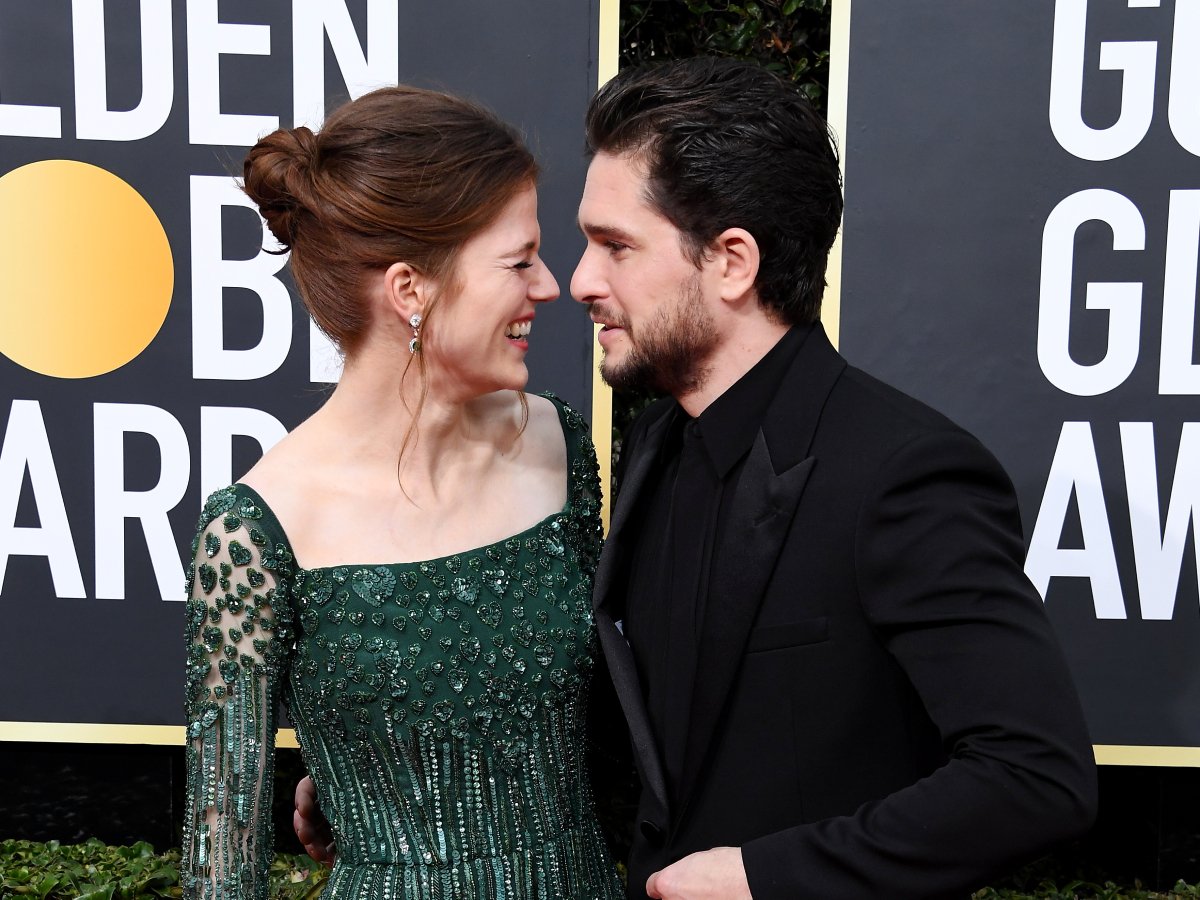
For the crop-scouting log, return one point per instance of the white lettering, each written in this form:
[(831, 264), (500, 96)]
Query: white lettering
[(1177, 374), (218, 425), (1158, 555), (1123, 300), (1183, 112), (362, 71), (93, 119), (115, 504), (211, 274), (27, 447), (1076, 471), (19, 120), (208, 40), (1136, 59)]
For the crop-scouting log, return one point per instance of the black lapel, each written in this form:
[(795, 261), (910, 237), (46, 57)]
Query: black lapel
[(766, 496), (757, 524), (613, 562), (613, 559)]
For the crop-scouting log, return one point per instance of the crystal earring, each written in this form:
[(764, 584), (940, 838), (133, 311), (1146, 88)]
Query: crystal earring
[(415, 344)]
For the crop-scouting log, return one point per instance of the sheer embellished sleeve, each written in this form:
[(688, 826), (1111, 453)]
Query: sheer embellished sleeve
[(239, 635)]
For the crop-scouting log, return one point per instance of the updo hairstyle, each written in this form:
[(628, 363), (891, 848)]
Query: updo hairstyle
[(401, 174)]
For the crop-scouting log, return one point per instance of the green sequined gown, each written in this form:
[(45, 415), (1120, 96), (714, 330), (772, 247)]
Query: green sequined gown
[(440, 706)]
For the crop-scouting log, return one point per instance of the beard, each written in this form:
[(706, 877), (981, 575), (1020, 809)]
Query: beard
[(669, 353)]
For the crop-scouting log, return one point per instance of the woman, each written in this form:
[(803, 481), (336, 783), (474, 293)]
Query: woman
[(411, 567)]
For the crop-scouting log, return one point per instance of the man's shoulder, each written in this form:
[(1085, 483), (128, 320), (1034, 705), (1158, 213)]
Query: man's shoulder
[(875, 398), (875, 427), (879, 407)]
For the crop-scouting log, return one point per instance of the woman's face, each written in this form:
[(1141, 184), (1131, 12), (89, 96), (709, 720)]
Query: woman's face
[(478, 338)]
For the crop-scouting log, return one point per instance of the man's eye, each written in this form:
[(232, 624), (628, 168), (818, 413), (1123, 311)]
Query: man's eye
[(615, 246)]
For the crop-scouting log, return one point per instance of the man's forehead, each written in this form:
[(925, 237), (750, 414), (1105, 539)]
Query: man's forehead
[(616, 192)]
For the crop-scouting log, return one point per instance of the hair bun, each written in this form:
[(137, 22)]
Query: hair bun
[(278, 177)]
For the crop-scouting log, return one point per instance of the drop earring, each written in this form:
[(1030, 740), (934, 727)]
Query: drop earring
[(415, 344)]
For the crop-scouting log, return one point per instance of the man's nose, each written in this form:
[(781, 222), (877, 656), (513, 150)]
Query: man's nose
[(586, 286)]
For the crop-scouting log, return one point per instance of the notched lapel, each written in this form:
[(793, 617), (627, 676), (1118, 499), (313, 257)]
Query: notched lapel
[(761, 511), (621, 666), (617, 545), (623, 671)]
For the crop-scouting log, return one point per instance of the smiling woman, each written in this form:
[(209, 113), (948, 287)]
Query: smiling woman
[(411, 567)]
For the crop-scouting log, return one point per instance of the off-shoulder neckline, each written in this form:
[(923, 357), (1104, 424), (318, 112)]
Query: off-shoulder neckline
[(560, 407)]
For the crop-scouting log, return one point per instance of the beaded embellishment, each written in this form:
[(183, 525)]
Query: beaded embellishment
[(440, 706)]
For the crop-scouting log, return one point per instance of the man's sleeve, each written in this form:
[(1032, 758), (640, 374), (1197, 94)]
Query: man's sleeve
[(938, 555)]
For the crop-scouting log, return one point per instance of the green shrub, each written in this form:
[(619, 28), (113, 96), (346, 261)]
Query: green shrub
[(96, 871), (790, 37), (91, 871), (1082, 890)]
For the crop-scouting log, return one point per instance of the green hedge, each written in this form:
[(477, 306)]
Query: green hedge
[(96, 871)]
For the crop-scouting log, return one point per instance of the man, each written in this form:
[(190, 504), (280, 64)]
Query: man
[(837, 680)]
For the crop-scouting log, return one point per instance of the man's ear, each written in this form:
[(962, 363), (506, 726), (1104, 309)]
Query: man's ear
[(737, 256)]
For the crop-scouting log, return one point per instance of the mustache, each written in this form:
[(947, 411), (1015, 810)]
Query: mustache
[(608, 315)]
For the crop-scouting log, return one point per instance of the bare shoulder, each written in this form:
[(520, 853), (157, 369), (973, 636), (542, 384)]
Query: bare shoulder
[(543, 438), (285, 472)]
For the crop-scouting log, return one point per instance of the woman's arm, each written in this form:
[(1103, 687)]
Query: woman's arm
[(238, 632)]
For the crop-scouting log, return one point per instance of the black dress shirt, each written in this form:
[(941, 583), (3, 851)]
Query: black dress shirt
[(683, 520)]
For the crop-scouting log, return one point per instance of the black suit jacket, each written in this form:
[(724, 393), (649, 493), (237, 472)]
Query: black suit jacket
[(880, 708)]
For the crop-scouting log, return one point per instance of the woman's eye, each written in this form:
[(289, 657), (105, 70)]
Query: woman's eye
[(526, 264)]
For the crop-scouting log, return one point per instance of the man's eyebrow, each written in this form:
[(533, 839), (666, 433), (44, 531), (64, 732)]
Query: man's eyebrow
[(599, 230)]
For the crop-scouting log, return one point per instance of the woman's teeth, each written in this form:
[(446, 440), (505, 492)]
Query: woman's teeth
[(518, 329)]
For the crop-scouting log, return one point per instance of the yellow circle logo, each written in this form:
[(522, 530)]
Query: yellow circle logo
[(86, 272)]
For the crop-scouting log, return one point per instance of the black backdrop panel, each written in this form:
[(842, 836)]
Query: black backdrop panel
[(996, 167), (89, 643)]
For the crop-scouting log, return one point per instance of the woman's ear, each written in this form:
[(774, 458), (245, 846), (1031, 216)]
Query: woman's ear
[(736, 253), (405, 290)]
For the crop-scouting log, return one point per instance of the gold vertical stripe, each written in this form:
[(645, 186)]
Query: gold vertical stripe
[(608, 61), (79, 733), (610, 40), (839, 81), (602, 417)]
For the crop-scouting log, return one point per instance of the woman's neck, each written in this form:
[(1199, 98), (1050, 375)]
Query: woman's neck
[(373, 410)]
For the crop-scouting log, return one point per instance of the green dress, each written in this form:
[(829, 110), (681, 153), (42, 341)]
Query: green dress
[(440, 706)]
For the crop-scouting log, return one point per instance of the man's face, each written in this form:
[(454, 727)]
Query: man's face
[(653, 303)]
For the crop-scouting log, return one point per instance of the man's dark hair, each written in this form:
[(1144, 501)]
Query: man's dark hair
[(727, 144)]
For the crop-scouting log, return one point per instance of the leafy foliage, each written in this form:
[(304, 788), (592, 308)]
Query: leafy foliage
[(91, 871), (790, 37), (96, 871), (1083, 890)]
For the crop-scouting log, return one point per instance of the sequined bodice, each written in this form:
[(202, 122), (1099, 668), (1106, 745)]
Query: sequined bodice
[(440, 705)]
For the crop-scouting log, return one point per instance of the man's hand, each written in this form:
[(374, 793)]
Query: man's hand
[(311, 827), (716, 874)]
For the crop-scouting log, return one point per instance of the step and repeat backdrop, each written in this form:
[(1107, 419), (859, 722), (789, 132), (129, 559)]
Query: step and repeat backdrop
[(1020, 251), (149, 348)]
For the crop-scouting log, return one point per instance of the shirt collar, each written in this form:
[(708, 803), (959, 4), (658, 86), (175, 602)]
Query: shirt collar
[(730, 423)]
